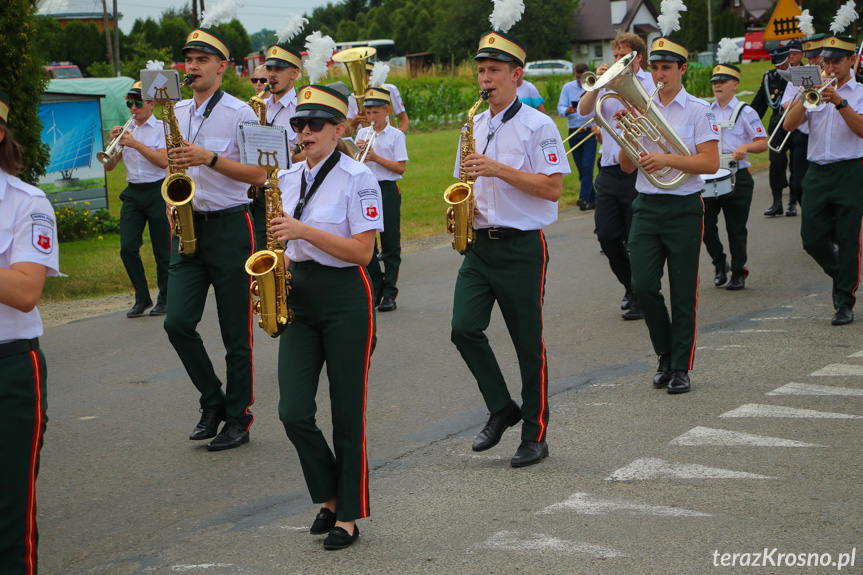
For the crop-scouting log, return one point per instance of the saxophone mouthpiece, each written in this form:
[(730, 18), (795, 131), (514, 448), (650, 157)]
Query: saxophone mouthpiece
[(187, 81), (484, 94)]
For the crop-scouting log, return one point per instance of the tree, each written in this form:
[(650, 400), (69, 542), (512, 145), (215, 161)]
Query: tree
[(24, 80), (50, 43), (237, 37), (172, 35), (85, 43), (347, 31), (263, 39)]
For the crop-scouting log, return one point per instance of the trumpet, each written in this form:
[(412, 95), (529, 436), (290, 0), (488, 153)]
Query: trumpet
[(368, 144), (811, 97), (114, 148)]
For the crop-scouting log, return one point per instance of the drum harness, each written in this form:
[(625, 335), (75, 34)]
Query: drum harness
[(727, 161)]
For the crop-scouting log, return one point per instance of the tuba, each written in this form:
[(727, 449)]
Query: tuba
[(355, 60), (178, 189), (624, 86), (259, 105), (270, 285), (460, 196)]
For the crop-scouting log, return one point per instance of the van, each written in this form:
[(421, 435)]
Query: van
[(62, 70), (753, 47)]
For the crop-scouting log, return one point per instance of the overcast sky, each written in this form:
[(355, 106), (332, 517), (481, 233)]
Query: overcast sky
[(254, 14)]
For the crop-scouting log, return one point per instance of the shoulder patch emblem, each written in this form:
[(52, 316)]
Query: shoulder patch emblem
[(370, 209), (550, 151), (711, 121), (43, 238), (757, 125)]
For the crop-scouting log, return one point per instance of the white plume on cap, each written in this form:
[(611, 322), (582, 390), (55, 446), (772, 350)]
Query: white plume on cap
[(224, 10), (805, 23), (320, 49), (844, 17), (506, 14), (727, 51), (155, 65), (291, 29), (669, 20), (379, 74)]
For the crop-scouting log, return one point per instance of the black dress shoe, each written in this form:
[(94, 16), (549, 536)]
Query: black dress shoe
[(679, 382), (580, 203), (738, 280), (496, 425), (628, 296), (589, 206), (209, 425), (231, 436), (843, 316), (792, 210), (387, 304), (376, 298), (774, 210), (529, 453), (159, 309), (663, 372), (138, 309), (721, 276), (324, 522), (339, 538), (634, 311)]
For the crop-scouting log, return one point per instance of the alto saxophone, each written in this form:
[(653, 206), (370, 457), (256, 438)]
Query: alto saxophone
[(259, 105), (460, 196), (271, 284), (178, 189)]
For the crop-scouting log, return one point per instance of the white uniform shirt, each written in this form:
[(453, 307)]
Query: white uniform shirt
[(745, 130), (830, 139), (529, 142), (609, 153), (139, 170), (695, 123), (218, 133), (389, 145), (27, 234), (280, 113), (346, 204), (395, 96), (787, 96)]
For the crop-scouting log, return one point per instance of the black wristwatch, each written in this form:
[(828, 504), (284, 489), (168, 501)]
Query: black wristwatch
[(216, 156), (842, 104)]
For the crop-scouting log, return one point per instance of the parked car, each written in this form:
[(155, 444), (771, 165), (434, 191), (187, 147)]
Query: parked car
[(739, 42), (63, 70), (754, 49), (548, 68)]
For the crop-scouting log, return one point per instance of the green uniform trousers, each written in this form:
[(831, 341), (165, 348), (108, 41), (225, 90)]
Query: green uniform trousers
[(384, 282), (735, 207), (224, 245), (831, 193), (667, 228), (144, 206), (512, 272), (334, 324), (23, 407), (259, 217)]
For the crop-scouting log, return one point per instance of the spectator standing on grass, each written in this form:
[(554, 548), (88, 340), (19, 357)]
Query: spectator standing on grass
[(585, 156), (529, 94)]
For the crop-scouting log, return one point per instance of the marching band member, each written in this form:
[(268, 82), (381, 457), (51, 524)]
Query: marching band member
[(797, 142), (584, 157), (146, 159), (831, 187), (386, 159), (225, 239), (357, 119), (335, 210), (741, 134), (519, 168), (667, 224), (259, 78), (615, 189), (28, 254)]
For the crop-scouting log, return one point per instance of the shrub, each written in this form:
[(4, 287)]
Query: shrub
[(77, 223)]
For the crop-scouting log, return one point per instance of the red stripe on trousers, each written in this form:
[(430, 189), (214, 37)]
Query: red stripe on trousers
[(543, 368), (697, 263), (364, 474), (251, 315), (30, 543)]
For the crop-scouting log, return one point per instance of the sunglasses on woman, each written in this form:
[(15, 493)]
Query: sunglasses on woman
[(314, 124), (136, 103), (256, 80)]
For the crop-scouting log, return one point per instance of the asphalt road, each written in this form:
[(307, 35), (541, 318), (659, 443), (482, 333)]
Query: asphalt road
[(763, 454)]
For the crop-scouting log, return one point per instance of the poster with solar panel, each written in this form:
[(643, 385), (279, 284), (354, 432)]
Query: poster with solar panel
[(71, 128)]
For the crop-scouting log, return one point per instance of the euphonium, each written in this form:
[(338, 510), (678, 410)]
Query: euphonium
[(588, 80), (178, 189), (623, 85), (259, 105), (460, 196), (270, 285), (355, 60), (114, 148)]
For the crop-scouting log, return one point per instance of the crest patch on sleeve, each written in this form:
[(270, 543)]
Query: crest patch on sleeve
[(757, 125), (43, 238), (370, 208), (711, 121), (550, 151)]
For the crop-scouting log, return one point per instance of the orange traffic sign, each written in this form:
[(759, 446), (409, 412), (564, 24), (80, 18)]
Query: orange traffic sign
[(783, 23)]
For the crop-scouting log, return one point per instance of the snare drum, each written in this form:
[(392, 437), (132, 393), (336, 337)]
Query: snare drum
[(719, 184)]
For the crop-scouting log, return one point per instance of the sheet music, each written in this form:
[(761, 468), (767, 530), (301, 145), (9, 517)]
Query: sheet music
[(257, 140), (806, 76), (151, 80)]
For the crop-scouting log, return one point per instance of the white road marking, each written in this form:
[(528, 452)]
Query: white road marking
[(285, 527), (758, 331), (709, 436), (201, 566), (858, 354), (477, 456), (839, 369), (650, 468), (720, 348), (586, 504), (546, 544), (759, 410), (87, 417), (813, 389)]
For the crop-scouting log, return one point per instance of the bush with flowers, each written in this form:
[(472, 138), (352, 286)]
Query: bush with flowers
[(75, 222)]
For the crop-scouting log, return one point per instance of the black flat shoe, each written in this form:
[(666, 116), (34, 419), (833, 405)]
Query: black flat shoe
[(791, 211), (721, 277), (324, 522), (529, 453), (159, 309), (387, 304), (231, 436), (843, 316), (774, 210), (738, 280), (208, 426), (634, 311), (138, 309), (496, 425), (625, 302), (663, 372), (339, 538), (679, 382)]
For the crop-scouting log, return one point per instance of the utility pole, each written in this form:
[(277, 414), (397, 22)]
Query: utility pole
[(195, 13), (710, 45), (109, 54), (117, 41)]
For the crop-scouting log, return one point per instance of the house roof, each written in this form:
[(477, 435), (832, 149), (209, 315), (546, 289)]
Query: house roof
[(757, 8), (593, 19), (71, 9)]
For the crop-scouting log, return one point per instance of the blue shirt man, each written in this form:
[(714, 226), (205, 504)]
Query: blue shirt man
[(585, 156)]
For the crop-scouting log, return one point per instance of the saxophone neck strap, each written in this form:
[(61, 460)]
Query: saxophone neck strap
[(214, 99), (507, 116), (319, 179)]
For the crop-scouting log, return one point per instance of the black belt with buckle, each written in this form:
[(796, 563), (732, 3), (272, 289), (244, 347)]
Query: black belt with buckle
[(501, 233), (18, 346), (146, 185), (220, 213)]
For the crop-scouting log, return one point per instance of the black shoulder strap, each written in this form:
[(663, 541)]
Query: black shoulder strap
[(212, 103), (319, 179), (736, 112)]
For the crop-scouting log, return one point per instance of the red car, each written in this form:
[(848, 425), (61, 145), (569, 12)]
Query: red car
[(753, 47)]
